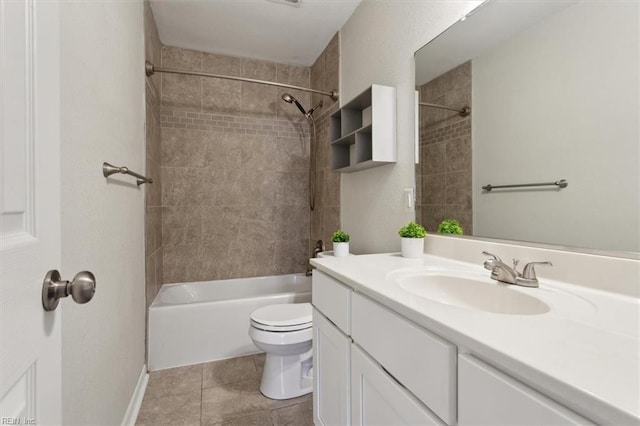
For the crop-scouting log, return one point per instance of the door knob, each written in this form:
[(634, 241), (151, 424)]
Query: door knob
[(81, 289)]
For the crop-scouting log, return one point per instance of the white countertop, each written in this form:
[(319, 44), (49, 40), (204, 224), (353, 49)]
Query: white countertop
[(586, 357)]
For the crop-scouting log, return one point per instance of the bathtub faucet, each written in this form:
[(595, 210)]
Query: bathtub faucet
[(318, 248)]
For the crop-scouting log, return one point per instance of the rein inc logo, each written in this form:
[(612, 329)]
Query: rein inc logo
[(17, 421)]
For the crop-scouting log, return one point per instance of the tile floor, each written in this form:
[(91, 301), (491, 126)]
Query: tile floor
[(223, 392)]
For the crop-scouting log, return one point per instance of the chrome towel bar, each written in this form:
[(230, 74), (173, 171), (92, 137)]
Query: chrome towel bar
[(109, 169), (562, 183)]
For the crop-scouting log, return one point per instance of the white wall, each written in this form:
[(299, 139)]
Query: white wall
[(567, 115), (377, 46), (102, 94)]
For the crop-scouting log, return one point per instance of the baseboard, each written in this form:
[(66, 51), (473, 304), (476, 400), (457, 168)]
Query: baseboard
[(136, 399)]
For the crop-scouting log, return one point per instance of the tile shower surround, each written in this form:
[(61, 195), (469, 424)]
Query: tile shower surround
[(234, 170), (443, 176)]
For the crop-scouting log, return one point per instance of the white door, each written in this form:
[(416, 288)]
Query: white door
[(331, 357), (30, 350)]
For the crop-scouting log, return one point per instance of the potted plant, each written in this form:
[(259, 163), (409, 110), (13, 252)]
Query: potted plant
[(412, 240), (340, 241), (450, 226)]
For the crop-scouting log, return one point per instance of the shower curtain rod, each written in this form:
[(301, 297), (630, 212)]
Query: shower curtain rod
[(464, 111), (151, 69)]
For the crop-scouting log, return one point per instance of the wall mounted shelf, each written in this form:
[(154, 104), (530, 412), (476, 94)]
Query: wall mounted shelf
[(363, 131)]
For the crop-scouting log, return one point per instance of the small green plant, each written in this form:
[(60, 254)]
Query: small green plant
[(450, 226), (412, 230), (340, 237)]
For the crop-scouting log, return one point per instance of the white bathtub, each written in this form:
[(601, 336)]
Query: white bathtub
[(205, 321)]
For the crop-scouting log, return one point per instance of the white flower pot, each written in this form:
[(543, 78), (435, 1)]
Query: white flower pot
[(341, 249), (412, 247)]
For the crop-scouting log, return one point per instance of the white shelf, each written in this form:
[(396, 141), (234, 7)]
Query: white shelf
[(363, 131)]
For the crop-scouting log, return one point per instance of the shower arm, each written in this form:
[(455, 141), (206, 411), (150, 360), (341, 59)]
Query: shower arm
[(151, 69)]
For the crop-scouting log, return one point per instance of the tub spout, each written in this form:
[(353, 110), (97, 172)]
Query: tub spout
[(317, 249)]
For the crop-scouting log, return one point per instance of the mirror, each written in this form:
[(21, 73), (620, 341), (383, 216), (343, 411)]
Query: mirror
[(553, 92)]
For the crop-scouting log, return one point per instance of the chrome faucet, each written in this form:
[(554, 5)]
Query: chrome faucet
[(317, 249), (502, 272)]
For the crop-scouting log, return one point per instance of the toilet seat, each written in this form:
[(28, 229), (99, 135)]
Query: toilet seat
[(283, 317)]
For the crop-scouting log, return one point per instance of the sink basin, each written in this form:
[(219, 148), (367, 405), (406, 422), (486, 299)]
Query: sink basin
[(470, 290)]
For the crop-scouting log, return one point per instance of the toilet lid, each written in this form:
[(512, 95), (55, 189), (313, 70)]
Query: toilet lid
[(283, 317)]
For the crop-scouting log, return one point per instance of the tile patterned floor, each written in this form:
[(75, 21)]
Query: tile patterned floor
[(223, 392)]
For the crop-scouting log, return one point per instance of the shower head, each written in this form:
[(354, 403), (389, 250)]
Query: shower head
[(290, 99)]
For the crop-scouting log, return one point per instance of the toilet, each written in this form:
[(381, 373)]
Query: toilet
[(284, 332)]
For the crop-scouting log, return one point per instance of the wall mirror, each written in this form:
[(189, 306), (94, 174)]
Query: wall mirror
[(539, 92)]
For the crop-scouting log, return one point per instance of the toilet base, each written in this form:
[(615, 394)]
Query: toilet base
[(287, 376)]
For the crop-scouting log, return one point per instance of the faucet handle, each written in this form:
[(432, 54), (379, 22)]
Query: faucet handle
[(486, 253), (529, 271), (490, 264)]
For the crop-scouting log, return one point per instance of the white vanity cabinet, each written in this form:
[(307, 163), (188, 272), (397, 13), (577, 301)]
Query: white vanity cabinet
[(372, 366)]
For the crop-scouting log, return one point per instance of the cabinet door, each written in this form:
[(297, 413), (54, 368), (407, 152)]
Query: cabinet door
[(487, 396), (377, 399), (331, 364)]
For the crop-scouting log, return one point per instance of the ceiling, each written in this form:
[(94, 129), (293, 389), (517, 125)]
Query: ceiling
[(259, 29)]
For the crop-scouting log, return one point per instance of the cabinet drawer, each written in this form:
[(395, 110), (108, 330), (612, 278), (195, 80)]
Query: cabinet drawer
[(489, 397), (333, 299), (377, 399), (423, 362)]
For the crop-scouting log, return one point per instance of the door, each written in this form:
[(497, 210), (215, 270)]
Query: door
[(377, 399), (331, 359), (30, 349)]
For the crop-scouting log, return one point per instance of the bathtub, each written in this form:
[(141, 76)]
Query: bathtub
[(190, 323)]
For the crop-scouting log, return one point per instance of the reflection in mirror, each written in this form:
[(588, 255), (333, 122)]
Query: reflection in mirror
[(553, 93)]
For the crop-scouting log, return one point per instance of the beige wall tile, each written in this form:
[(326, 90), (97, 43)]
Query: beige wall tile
[(184, 59), (221, 96), (224, 150), (458, 154), (181, 186), (291, 188), (433, 158), (257, 69), (220, 224), (181, 92), (153, 191), (182, 263), (259, 100), (291, 256), (221, 64), (331, 222), (222, 187), (257, 259), (292, 222), (153, 229), (152, 130), (181, 225), (458, 185), (221, 260), (183, 148), (291, 154)]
